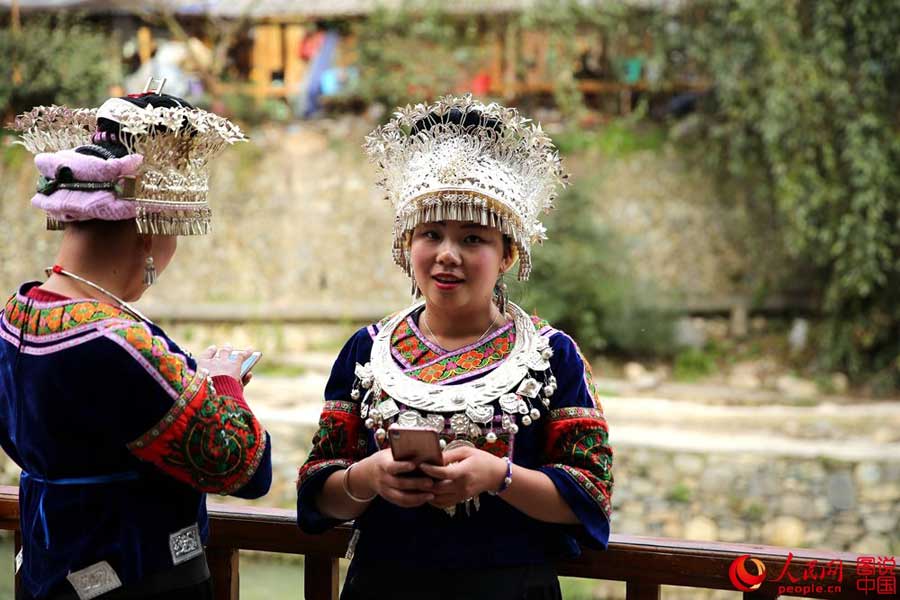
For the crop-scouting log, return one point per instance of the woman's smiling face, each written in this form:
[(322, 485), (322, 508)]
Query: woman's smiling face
[(456, 263)]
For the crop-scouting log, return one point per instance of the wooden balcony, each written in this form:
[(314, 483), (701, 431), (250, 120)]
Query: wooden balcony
[(643, 563)]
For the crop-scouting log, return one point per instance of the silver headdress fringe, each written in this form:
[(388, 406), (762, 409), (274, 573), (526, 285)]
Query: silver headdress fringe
[(502, 177), (177, 144)]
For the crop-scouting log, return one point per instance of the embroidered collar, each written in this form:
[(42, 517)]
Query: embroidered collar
[(527, 353), (426, 361), (48, 318)]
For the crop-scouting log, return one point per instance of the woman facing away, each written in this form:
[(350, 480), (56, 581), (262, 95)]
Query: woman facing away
[(526, 464), (119, 432)]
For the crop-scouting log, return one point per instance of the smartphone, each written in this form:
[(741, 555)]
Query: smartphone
[(249, 363), (416, 444)]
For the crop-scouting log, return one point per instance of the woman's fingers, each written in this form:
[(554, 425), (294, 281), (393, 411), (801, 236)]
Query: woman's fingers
[(395, 467), (209, 352), (436, 472), (411, 483)]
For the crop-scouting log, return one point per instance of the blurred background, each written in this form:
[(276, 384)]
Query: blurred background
[(728, 254)]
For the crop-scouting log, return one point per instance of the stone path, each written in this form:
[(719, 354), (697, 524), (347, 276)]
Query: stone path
[(841, 431)]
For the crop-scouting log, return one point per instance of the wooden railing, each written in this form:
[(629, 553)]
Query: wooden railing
[(644, 563)]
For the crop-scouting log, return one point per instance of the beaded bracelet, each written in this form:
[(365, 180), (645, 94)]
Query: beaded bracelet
[(345, 483), (507, 481)]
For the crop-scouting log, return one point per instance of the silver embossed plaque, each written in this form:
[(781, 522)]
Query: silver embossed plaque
[(94, 580), (185, 544)]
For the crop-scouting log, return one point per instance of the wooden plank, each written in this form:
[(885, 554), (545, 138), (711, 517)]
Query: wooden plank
[(224, 566), (643, 562), (320, 577), (639, 590)]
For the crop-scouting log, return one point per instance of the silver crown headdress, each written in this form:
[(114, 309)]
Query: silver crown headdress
[(461, 160), (170, 189)]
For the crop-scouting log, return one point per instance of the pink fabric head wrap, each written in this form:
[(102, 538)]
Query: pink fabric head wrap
[(82, 205)]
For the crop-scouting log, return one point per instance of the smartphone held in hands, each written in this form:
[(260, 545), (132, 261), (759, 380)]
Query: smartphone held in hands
[(415, 444), (250, 362)]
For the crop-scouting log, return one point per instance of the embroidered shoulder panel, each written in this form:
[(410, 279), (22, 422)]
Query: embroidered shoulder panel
[(59, 317), (168, 367), (339, 441), (577, 441), (211, 442), (539, 323)]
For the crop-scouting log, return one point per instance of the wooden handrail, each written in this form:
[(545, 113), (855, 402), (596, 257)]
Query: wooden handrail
[(644, 563)]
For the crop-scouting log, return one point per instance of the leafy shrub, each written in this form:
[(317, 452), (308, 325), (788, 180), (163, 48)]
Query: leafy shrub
[(805, 120), (582, 283), (59, 60)]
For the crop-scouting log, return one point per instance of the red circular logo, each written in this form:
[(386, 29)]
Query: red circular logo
[(742, 579)]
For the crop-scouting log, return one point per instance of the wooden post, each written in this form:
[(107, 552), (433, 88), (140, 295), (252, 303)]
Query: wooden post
[(320, 577), (145, 44), (638, 590), (224, 566)]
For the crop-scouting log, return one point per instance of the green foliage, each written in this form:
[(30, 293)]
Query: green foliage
[(805, 116), (679, 493), (59, 60), (693, 364), (582, 283), (415, 52)]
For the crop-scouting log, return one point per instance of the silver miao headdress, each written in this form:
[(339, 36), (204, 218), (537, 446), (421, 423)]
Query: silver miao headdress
[(170, 188), (486, 164)]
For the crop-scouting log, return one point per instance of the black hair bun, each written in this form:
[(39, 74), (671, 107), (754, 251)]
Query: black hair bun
[(109, 144)]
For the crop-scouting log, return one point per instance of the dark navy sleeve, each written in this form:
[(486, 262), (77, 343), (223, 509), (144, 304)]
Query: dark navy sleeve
[(575, 447), (192, 427), (341, 438)]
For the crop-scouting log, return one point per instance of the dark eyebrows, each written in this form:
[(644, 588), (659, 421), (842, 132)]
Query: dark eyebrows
[(474, 226)]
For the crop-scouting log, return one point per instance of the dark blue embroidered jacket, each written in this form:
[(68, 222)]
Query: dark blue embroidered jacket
[(118, 436), (568, 443)]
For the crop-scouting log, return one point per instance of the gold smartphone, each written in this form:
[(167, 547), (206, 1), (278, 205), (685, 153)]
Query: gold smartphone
[(415, 444)]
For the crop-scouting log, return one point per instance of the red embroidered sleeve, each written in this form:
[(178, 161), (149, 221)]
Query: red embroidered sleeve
[(340, 440), (209, 439), (577, 442)]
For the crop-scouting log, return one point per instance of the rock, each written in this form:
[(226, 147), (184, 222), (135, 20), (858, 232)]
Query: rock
[(744, 375), (795, 387), (701, 528), (798, 336), (872, 545), (789, 532), (867, 473), (758, 324), (795, 505), (839, 383), (841, 492), (689, 333), (634, 371), (689, 464), (886, 492), (880, 522)]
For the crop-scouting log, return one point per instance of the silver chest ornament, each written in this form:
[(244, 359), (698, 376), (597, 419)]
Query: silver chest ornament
[(512, 385)]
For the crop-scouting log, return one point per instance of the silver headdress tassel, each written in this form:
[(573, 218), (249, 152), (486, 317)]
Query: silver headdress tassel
[(171, 187), (469, 162)]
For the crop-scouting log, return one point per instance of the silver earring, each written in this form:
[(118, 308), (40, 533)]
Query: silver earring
[(414, 290), (501, 298), (149, 271)]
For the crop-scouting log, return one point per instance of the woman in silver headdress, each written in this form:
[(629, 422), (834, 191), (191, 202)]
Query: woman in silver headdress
[(119, 433), (526, 464)]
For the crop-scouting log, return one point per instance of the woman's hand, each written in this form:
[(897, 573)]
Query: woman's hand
[(224, 361), (469, 472), (381, 474)]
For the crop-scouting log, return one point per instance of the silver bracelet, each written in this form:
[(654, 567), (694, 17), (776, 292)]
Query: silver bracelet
[(507, 481), (345, 483)]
